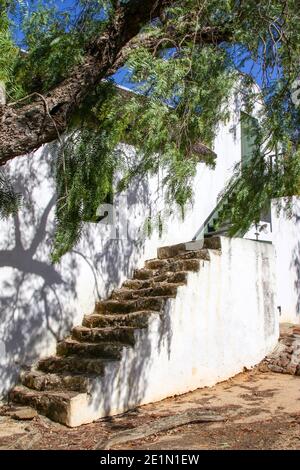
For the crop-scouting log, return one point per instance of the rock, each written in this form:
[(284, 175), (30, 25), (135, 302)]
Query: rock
[(275, 368), (285, 358), (284, 361), (263, 367), (291, 369), (25, 413)]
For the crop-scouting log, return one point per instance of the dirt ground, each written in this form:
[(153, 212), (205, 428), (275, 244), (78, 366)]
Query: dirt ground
[(261, 411)]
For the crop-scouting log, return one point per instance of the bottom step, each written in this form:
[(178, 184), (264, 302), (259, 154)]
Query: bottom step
[(54, 405)]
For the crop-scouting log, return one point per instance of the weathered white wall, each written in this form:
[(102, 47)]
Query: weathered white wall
[(225, 319), (286, 240)]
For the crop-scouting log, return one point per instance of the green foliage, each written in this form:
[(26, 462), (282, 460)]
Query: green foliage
[(84, 176), (183, 106), (55, 42), (84, 172), (252, 188), (8, 51), (183, 81)]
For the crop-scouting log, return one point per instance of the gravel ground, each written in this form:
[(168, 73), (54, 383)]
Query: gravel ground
[(261, 411)]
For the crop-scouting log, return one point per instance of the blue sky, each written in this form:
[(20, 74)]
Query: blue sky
[(250, 67), (69, 6)]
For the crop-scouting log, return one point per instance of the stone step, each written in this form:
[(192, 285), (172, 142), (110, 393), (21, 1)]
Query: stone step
[(212, 243), (38, 380), (171, 251), (156, 263), (158, 290), (162, 264), (200, 254), (143, 274), (72, 364), (184, 265), (136, 320), (164, 252), (179, 278), (123, 334), (71, 347), (54, 405), (170, 266), (129, 306)]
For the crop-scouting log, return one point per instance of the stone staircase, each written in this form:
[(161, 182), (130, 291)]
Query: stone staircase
[(87, 378)]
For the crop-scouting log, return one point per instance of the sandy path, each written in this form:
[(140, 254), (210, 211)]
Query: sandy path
[(261, 410)]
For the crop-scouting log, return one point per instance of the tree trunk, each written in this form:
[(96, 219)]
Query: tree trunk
[(26, 126)]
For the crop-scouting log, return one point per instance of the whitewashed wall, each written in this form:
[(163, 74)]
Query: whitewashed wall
[(286, 240), (40, 302)]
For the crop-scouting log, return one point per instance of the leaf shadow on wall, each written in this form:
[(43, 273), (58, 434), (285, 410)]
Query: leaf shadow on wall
[(33, 293), (37, 298)]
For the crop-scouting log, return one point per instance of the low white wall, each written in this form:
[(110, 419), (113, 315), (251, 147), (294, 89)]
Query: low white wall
[(225, 319), (286, 240), (39, 302)]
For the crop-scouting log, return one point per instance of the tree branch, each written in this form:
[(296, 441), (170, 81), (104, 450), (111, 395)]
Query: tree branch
[(207, 35), (25, 127)]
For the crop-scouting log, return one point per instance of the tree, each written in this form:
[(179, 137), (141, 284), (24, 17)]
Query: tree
[(183, 58)]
